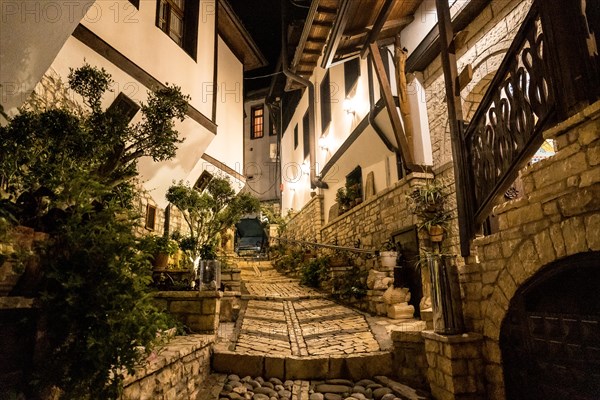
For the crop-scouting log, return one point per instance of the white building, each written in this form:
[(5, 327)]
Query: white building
[(200, 46)]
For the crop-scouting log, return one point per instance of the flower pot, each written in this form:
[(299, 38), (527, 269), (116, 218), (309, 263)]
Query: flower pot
[(436, 233), (161, 260), (388, 258)]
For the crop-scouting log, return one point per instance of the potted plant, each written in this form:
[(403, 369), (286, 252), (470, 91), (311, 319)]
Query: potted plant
[(161, 248), (207, 214), (343, 199), (389, 254), (428, 203)]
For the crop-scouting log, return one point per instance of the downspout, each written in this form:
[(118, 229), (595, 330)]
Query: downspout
[(314, 182)]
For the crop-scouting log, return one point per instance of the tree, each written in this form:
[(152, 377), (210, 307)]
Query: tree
[(209, 213), (71, 175)]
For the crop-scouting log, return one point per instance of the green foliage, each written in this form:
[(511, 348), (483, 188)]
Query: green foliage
[(46, 158), (209, 213), (96, 305), (154, 244), (428, 202), (352, 284), (71, 175), (315, 271)]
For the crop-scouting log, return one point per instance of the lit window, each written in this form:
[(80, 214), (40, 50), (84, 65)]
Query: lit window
[(258, 122), (325, 93)]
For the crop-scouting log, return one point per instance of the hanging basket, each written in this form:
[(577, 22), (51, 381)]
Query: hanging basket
[(436, 233)]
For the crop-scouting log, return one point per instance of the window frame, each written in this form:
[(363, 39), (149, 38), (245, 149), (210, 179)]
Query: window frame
[(296, 137), (305, 135), (150, 220), (351, 74), (253, 122), (325, 98), (189, 21)]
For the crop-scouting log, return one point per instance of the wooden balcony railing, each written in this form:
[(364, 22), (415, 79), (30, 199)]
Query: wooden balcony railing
[(550, 72)]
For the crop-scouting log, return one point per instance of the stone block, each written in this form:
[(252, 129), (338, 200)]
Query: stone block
[(361, 366), (588, 133), (337, 367), (274, 367), (202, 323), (592, 227), (239, 364), (306, 367), (186, 307), (209, 306), (574, 235), (581, 201), (545, 249)]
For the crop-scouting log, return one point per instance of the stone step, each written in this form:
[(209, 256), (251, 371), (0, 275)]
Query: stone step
[(349, 366), (283, 298)]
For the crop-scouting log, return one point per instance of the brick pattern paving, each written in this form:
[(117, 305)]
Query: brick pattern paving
[(284, 318)]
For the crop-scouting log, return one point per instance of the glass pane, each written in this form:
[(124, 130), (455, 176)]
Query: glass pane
[(162, 15), (176, 29)]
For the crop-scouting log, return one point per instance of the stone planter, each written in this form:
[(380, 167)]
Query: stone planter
[(199, 311), (388, 259), (173, 279)]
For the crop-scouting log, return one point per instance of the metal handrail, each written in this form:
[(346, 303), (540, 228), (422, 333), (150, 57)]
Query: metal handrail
[(328, 246)]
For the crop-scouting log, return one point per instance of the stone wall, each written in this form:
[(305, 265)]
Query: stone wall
[(559, 216), (173, 372), (306, 224), (199, 311)]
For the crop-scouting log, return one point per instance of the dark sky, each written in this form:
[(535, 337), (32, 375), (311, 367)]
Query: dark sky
[(262, 18)]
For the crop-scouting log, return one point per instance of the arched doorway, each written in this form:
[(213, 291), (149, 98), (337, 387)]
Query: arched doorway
[(550, 338)]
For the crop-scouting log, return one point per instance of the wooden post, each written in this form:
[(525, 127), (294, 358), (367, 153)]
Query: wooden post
[(455, 119), (400, 62), (390, 106)]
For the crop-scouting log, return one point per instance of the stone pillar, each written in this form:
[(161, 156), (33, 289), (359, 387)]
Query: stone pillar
[(455, 366), (409, 362)]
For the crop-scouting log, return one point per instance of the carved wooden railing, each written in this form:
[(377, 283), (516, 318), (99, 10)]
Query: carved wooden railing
[(524, 99)]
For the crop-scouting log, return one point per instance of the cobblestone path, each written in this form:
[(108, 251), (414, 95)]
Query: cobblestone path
[(284, 318)]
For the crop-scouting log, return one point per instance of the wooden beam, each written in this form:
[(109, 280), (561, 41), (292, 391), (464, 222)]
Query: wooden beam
[(327, 10), (336, 34), (315, 40), (465, 77), (323, 24), (312, 52), (392, 24), (462, 178), (390, 106), (383, 15)]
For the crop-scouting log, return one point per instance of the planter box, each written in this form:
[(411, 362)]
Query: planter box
[(199, 311)]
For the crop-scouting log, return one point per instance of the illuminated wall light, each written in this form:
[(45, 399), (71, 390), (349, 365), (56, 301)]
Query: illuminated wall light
[(305, 168), (349, 106), (323, 143)]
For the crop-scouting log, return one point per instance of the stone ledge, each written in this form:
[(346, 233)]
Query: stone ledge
[(176, 349), (591, 112), (188, 294), (464, 338), (405, 336), (16, 302)]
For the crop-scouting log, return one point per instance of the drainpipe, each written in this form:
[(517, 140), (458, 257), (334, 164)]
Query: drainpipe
[(314, 182)]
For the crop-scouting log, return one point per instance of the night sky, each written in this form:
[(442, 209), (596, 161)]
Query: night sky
[(262, 18)]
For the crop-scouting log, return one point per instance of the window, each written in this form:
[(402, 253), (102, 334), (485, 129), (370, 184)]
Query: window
[(203, 181), (124, 106), (258, 122), (150, 217), (305, 135), (351, 73), (296, 137), (325, 91), (354, 182), (179, 20)]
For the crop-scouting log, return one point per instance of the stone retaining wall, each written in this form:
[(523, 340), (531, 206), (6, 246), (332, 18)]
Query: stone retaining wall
[(306, 224), (199, 311), (173, 372)]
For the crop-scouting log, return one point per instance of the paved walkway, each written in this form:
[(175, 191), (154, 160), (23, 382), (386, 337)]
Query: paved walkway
[(284, 318)]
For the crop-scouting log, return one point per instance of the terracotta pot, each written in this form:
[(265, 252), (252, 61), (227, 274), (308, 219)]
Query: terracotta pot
[(436, 233), (161, 260)]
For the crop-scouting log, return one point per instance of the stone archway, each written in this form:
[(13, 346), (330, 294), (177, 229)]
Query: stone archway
[(550, 337)]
